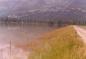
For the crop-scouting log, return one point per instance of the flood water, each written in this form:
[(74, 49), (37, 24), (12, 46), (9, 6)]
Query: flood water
[(22, 33), (19, 34)]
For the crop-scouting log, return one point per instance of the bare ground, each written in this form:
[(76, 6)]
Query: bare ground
[(81, 32)]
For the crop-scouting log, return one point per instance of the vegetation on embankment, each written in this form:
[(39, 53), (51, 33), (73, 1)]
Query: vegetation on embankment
[(63, 43)]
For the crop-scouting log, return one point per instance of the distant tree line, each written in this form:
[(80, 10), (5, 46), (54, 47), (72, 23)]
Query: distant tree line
[(61, 18), (75, 20), (58, 23)]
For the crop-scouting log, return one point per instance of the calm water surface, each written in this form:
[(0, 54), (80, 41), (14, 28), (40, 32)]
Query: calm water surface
[(19, 34), (22, 33)]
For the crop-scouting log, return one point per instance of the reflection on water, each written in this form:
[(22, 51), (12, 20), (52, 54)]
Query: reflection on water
[(14, 53), (18, 34), (22, 33)]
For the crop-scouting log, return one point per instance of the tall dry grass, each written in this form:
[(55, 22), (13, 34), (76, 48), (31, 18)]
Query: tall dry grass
[(63, 43)]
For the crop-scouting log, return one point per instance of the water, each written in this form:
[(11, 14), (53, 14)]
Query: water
[(19, 34), (23, 33)]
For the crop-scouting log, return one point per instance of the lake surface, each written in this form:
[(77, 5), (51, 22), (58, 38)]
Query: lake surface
[(19, 34), (22, 33)]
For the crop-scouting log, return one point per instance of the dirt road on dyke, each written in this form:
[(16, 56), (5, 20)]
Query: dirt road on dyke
[(81, 32)]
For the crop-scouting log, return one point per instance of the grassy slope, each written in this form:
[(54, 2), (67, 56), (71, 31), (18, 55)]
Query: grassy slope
[(59, 44)]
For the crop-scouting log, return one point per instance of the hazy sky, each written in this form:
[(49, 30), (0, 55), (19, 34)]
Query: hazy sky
[(14, 4), (7, 6)]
